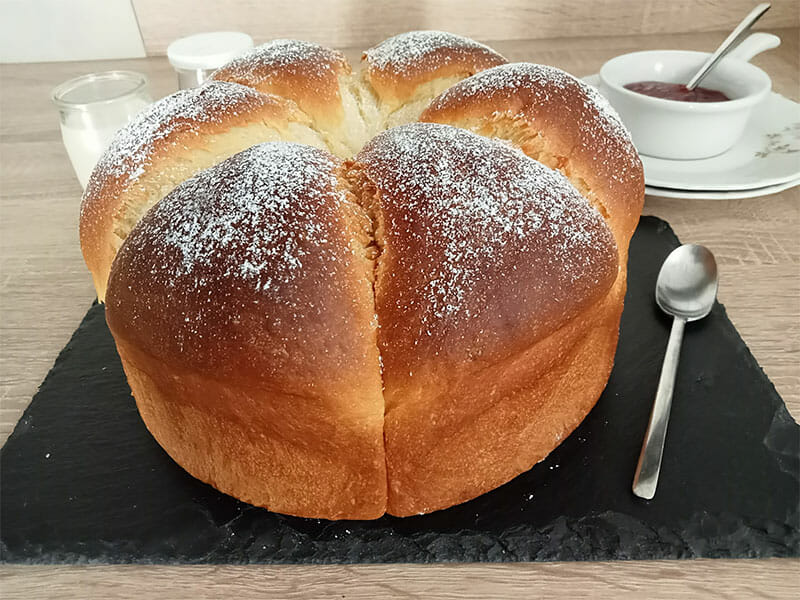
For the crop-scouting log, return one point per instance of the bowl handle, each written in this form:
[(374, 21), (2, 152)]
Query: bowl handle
[(755, 43)]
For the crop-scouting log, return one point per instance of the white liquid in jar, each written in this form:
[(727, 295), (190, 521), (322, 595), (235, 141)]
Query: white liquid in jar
[(86, 137), (92, 108)]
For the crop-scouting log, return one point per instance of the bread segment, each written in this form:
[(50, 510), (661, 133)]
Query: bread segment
[(492, 269), (318, 80), (242, 307), (410, 69)]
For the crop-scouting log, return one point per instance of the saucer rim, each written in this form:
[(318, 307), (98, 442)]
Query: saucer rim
[(741, 194)]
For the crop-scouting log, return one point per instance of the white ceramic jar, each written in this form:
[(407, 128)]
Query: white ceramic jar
[(194, 58)]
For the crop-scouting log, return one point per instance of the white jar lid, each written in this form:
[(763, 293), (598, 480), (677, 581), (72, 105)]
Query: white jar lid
[(208, 50)]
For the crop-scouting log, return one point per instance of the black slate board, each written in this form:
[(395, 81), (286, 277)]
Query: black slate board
[(82, 480)]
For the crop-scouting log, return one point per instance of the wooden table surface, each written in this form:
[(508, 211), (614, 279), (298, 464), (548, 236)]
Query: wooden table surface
[(45, 290)]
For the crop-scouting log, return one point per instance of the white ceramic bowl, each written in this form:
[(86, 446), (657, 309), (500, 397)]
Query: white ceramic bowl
[(687, 130)]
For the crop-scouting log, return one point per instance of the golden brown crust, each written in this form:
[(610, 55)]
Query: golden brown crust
[(243, 311), (288, 453), (561, 121), (492, 270), (158, 137), (479, 429), (497, 423), (399, 65), (456, 212), (304, 72)]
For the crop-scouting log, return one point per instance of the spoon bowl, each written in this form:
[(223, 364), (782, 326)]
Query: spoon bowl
[(687, 282)]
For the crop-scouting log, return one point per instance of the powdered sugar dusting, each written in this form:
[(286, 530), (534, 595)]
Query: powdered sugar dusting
[(546, 83), (251, 216), (130, 152), (406, 50), (250, 269), (471, 204), (261, 63)]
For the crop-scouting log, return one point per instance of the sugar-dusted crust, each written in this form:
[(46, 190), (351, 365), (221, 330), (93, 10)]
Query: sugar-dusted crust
[(165, 136), (561, 121), (397, 333), (303, 72), (243, 312), (398, 66), (493, 270)]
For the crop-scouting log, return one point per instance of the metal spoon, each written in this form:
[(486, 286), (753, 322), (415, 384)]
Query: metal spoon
[(733, 40), (686, 289)]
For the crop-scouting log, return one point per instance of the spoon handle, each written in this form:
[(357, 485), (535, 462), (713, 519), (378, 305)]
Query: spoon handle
[(646, 478), (736, 36)]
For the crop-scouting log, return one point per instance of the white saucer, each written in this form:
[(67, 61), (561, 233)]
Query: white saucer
[(720, 195), (767, 155)]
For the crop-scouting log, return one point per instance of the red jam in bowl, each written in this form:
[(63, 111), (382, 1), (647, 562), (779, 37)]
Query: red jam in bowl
[(676, 91)]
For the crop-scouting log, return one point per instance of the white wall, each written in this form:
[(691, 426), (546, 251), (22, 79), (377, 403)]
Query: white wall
[(56, 30)]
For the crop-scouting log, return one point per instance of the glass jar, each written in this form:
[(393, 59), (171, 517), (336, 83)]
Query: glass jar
[(92, 108)]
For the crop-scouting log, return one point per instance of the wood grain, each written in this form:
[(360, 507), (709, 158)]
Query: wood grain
[(45, 290), (655, 580), (359, 23)]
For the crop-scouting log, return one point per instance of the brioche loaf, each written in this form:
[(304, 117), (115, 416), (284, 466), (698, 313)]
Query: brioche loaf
[(386, 322)]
